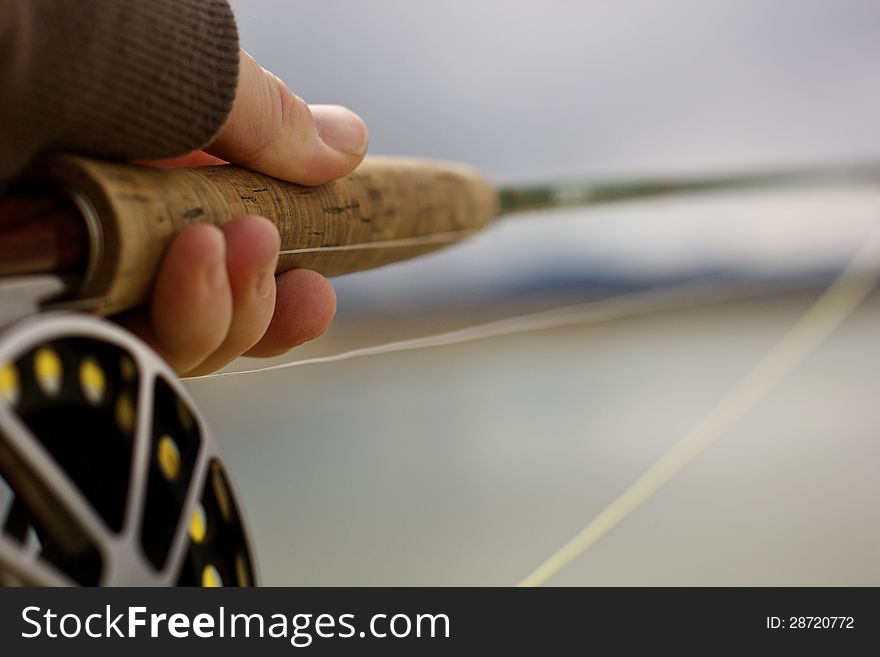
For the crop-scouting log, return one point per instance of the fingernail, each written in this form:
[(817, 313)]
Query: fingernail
[(341, 129)]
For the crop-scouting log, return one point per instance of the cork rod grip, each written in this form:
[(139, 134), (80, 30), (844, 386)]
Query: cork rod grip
[(389, 209)]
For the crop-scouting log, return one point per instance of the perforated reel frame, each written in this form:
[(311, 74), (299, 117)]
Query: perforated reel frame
[(108, 473)]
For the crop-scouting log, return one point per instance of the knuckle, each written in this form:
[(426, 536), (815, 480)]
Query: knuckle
[(283, 119)]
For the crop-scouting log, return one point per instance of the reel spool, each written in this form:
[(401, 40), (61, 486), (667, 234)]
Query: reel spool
[(108, 474)]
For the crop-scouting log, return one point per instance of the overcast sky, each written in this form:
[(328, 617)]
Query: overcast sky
[(556, 88), (523, 89)]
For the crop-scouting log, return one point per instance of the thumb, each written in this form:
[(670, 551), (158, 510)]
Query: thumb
[(273, 131)]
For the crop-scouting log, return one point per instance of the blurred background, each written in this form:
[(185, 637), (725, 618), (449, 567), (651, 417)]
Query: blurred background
[(471, 464)]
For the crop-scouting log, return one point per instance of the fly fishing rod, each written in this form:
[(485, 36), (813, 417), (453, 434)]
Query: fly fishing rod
[(108, 472), (105, 226)]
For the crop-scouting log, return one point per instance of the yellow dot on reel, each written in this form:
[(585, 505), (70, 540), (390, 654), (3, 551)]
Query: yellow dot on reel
[(92, 380), (221, 493), (10, 385), (211, 577), (48, 370), (168, 455), (241, 571), (127, 368), (198, 523), (125, 413)]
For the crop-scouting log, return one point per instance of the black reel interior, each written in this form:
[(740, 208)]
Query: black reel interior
[(107, 473)]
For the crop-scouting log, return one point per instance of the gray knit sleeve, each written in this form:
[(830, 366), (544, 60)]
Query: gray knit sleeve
[(121, 79)]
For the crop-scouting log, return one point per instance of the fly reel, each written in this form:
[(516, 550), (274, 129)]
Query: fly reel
[(108, 474)]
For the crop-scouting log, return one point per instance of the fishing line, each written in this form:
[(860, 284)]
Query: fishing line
[(402, 242), (840, 299), (677, 297)]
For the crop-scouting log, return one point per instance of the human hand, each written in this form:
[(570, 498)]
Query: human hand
[(216, 296)]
